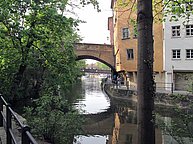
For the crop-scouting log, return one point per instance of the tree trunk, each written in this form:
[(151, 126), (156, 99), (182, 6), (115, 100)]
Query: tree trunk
[(145, 82), (17, 81)]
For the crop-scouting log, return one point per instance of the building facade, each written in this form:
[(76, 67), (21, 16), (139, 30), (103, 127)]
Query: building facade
[(173, 47), (124, 33), (178, 52)]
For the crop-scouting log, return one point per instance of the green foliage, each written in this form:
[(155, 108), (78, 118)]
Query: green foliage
[(37, 60), (95, 3), (36, 46), (185, 80), (35, 35), (81, 63), (134, 24), (180, 125), (179, 128), (178, 9), (53, 120), (102, 66), (175, 9)]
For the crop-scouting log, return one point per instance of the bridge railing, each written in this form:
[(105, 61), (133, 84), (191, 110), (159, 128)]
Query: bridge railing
[(93, 70), (6, 122)]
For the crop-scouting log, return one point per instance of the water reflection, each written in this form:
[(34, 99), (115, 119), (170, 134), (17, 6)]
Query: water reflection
[(115, 122), (97, 139), (92, 100)]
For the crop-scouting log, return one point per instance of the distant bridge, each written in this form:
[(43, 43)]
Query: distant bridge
[(96, 71), (100, 52)]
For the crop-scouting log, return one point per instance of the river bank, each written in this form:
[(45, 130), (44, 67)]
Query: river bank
[(161, 98)]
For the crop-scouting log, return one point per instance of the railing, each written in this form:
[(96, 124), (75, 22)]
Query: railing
[(165, 86), (160, 86), (6, 122), (93, 70)]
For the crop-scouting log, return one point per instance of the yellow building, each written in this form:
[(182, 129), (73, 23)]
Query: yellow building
[(123, 30)]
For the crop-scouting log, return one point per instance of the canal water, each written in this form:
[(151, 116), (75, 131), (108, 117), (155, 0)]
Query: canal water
[(91, 101), (114, 122)]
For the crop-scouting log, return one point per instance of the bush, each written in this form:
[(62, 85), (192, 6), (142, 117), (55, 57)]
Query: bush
[(53, 120)]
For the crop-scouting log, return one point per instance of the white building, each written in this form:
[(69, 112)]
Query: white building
[(178, 53)]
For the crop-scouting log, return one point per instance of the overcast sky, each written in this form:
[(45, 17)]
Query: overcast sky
[(95, 30)]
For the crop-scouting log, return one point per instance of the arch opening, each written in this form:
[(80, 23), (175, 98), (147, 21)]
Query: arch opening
[(82, 57)]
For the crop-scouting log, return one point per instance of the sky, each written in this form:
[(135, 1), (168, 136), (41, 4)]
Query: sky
[(95, 30)]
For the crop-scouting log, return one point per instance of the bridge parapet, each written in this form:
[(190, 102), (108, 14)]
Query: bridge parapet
[(96, 47), (99, 52)]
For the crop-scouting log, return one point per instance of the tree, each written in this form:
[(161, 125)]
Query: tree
[(36, 46), (102, 66), (145, 82), (37, 60)]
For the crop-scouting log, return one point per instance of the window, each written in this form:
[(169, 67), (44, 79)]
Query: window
[(189, 53), (175, 31), (189, 30), (176, 54), (125, 33), (130, 54)]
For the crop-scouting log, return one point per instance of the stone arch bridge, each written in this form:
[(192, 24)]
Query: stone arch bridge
[(99, 52)]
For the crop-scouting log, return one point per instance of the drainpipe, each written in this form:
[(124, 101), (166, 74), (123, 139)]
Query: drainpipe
[(172, 80)]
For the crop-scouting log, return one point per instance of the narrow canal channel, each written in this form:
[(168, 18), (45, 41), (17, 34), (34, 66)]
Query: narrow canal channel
[(91, 102), (114, 121)]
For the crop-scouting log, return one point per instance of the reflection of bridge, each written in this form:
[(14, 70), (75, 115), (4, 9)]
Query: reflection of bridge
[(96, 71), (100, 52), (100, 123)]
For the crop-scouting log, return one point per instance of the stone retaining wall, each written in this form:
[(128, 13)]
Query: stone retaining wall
[(160, 98)]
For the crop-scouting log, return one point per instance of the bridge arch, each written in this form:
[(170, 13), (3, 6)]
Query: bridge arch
[(81, 57), (100, 52)]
